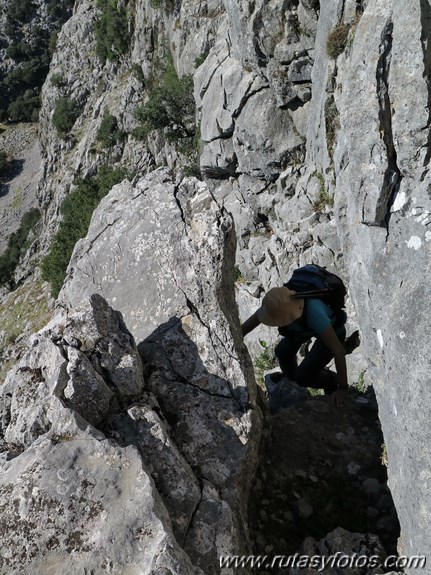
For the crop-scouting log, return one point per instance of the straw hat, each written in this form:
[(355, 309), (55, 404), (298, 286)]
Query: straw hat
[(279, 308)]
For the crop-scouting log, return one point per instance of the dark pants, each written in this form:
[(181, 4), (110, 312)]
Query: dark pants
[(311, 372)]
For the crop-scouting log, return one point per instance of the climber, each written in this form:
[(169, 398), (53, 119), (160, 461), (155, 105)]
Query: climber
[(298, 320)]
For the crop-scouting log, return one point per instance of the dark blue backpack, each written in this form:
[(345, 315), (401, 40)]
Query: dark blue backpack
[(317, 282)]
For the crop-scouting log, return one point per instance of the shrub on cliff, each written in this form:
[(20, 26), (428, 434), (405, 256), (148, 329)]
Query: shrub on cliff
[(170, 106), (112, 31), (64, 115), (77, 210), (109, 133)]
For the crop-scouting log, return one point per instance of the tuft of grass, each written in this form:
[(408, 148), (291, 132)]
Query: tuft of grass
[(325, 198), (337, 40), (384, 456), (315, 392), (332, 124), (266, 361), (239, 278), (360, 385)]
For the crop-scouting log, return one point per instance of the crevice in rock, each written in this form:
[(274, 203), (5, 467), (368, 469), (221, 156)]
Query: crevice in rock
[(193, 515), (194, 310), (95, 239), (249, 93), (426, 49), (178, 378), (180, 207), (207, 84), (392, 177)]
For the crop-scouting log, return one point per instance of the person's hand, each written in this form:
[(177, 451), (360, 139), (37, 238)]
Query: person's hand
[(339, 397)]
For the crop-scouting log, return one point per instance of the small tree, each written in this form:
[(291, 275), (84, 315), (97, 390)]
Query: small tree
[(171, 106), (112, 31), (64, 115), (109, 133)]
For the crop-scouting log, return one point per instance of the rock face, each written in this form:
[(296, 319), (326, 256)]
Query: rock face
[(182, 443), (384, 215), (315, 158), (68, 494)]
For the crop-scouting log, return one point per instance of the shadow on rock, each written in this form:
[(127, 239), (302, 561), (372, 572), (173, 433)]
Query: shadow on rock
[(322, 471), (157, 457), (192, 428)]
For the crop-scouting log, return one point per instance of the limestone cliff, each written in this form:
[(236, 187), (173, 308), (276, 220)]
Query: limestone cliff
[(314, 146), (180, 428)]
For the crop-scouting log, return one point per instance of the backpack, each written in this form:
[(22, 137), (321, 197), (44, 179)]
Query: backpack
[(317, 282)]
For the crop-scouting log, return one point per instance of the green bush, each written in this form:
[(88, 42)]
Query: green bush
[(337, 40), (77, 210), (109, 134), (170, 106), (25, 108), (324, 198), (64, 115), (18, 245), (58, 80), (112, 31)]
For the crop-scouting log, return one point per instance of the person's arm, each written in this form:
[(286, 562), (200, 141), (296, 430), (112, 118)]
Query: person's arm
[(330, 339), (249, 324)]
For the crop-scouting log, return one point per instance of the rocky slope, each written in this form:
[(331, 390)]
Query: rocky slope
[(18, 189), (180, 428), (313, 122)]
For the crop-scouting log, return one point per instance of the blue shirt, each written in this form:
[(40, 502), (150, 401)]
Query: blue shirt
[(318, 317)]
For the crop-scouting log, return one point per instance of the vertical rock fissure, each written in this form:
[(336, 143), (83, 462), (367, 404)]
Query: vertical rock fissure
[(426, 48), (392, 176)]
